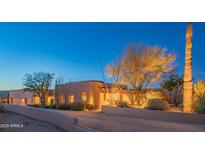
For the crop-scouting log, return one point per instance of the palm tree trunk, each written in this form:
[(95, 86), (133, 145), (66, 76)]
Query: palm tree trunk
[(187, 86)]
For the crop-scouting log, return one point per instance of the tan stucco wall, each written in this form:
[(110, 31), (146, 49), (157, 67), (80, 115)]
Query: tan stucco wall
[(91, 88), (96, 95), (18, 97), (61, 120)]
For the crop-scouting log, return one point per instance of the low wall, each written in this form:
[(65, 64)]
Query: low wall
[(190, 118), (61, 120)]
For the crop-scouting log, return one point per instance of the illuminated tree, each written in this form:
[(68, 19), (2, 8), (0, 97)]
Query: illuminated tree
[(39, 82), (141, 65), (116, 87), (187, 86)]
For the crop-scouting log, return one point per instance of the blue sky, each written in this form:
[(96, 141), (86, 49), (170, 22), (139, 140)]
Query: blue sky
[(78, 51)]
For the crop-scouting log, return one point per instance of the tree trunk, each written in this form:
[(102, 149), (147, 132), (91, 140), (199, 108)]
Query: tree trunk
[(187, 86), (43, 100)]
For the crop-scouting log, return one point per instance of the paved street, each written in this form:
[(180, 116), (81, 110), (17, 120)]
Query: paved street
[(115, 123)]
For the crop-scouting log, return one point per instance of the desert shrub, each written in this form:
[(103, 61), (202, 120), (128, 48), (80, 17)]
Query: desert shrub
[(45, 106), (122, 104), (39, 106), (198, 106), (53, 106), (89, 106), (199, 90), (35, 105), (4, 102), (172, 86), (156, 104), (77, 106), (63, 106)]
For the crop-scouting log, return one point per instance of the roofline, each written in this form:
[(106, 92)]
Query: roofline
[(83, 81)]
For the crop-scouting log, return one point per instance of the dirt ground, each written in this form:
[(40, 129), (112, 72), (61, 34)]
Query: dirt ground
[(11, 122), (116, 123)]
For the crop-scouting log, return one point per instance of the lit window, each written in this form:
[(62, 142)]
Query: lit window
[(71, 98), (84, 96), (36, 100)]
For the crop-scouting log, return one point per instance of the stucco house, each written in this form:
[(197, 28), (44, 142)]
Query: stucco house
[(4, 96), (26, 96), (99, 93), (93, 92), (89, 92)]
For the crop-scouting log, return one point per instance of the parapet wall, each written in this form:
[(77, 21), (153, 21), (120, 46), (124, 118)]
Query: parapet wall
[(59, 119), (190, 118)]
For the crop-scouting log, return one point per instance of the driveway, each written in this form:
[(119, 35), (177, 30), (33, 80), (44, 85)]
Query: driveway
[(11, 122), (116, 123)]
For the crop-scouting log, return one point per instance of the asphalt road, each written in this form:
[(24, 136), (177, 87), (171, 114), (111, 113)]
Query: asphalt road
[(115, 123)]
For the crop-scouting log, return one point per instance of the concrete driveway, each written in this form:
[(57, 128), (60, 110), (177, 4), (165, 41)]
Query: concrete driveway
[(116, 123)]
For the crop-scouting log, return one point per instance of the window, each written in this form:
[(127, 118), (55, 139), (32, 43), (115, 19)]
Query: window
[(36, 100), (84, 96), (71, 98)]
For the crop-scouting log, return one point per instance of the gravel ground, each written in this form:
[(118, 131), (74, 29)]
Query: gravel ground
[(11, 122), (115, 123)]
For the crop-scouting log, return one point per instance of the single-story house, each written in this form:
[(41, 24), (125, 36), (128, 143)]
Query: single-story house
[(88, 92), (98, 93), (4, 96), (26, 96)]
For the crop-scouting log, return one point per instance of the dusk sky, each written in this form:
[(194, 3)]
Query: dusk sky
[(78, 51)]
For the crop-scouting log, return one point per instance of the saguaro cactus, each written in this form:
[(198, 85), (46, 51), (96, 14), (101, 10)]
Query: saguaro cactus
[(187, 86)]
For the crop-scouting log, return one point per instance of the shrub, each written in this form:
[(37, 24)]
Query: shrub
[(199, 105), (89, 106), (53, 106), (45, 106), (172, 88), (156, 104), (122, 104), (39, 106), (63, 107), (34, 105), (4, 102), (77, 106), (199, 90)]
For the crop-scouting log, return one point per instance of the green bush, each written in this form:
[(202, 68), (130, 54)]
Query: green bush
[(122, 104), (77, 106), (156, 104), (199, 105), (89, 106), (63, 106)]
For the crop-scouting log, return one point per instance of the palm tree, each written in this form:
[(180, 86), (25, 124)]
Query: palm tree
[(187, 86)]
